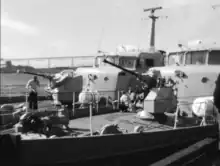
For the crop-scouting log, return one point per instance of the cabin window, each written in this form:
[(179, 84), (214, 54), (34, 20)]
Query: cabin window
[(174, 58), (214, 58), (127, 63), (196, 57), (99, 60)]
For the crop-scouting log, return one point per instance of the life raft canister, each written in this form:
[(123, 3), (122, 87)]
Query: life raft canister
[(87, 96), (204, 107)]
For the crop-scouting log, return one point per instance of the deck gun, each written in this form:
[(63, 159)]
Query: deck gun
[(47, 76), (54, 81), (147, 80)]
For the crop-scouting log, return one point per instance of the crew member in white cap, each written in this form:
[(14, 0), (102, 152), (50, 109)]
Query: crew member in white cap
[(32, 87), (124, 102)]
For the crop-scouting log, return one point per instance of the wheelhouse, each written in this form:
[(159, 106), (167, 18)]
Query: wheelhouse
[(139, 61), (195, 57)]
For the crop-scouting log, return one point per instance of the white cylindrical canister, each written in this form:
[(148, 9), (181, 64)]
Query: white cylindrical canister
[(88, 97), (204, 107)]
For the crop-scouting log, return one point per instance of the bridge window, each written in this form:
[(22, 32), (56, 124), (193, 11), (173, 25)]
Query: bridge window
[(99, 60), (127, 62), (196, 57), (214, 58), (174, 58)]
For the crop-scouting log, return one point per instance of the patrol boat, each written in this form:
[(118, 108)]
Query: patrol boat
[(118, 137), (90, 140), (104, 78)]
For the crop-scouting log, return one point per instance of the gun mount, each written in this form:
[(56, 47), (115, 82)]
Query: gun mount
[(55, 81)]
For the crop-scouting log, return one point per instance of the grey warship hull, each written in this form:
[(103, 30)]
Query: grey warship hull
[(79, 148)]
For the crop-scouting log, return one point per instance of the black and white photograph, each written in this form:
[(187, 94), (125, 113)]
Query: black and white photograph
[(110, 83)]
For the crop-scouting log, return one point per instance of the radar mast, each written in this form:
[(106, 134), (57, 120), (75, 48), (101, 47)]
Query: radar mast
[(153, 18)]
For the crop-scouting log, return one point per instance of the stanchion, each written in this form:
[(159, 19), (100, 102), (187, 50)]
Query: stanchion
[(10, 89), (177, 107), (106, 99), (176, 117), (97, 106), (118, 93), (73, 109), (203, 122), (90, 118), (26, 101)]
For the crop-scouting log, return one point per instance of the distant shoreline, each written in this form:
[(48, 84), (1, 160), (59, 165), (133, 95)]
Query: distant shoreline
[(18, 99), (7, 72)]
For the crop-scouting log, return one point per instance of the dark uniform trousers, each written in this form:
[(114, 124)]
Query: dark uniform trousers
[(33, 100)]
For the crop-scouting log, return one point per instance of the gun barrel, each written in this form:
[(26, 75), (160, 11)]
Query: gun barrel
[(147, 80), (119, 67), (36, 74)]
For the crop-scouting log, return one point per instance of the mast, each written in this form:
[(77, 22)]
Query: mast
[(153, 18)]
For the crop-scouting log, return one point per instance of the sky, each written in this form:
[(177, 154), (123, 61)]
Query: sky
[(51, 28)]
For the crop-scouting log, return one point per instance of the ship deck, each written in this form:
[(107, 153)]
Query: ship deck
[(126, 122)]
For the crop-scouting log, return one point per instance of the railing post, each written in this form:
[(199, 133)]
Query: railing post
[(73, 109), (97, 106), (72, 62), (10, 89), (26, 101), (90, 117), (48, 62), (118, 94), (106, 98)]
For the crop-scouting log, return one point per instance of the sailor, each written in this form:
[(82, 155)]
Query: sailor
[(132, 95), (32, 86), (124, 102), (151, 81), (139, 98)]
